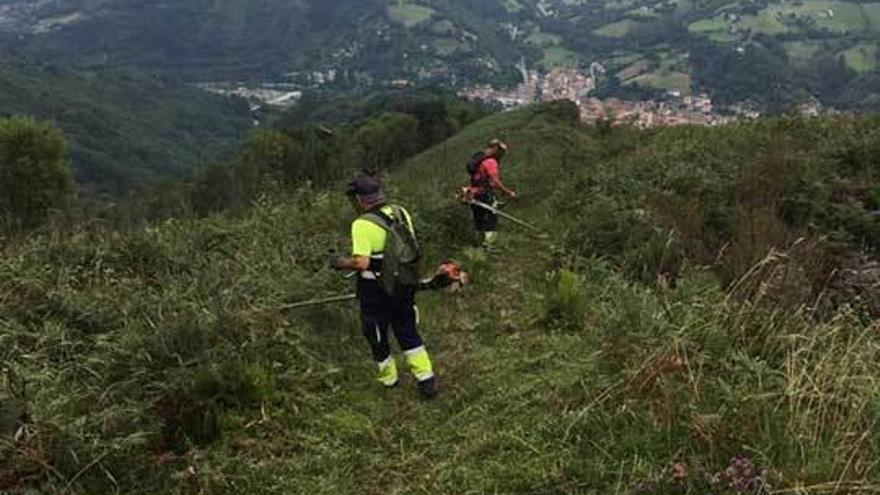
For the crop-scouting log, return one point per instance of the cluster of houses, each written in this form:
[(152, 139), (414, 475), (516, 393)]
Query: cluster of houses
[(577, 86)]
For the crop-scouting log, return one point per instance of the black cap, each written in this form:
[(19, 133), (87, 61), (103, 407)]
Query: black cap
[(366, 187)]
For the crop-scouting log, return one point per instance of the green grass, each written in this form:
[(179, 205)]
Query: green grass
[(620, 4), (618, 29), (635, 69), (543, 39), (765, 22), (512, 6), (723, 37), (862, 58), (781, 18), (716, 29), (644, 15), (680, 81), (872, 14), (728, 7), (444, 27), (409, 14), (708, 25), (802, 53), (670, 74), (670, 60), (847, 17), (623, 59), (648, 328), (685, 7), (559, 57), (446, 46)]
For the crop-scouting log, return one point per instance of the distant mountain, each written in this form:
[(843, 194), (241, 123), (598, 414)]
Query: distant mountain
[(124, 129), (770, 51)]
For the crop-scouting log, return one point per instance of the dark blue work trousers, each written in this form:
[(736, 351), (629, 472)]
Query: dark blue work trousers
[(381, 313)]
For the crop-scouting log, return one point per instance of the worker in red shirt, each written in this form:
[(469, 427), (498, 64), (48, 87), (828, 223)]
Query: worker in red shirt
[(485, 184)]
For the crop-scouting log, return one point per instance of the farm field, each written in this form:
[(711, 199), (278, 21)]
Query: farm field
[(616, 29), (409, 14), (862, 58), (802, 53), (559, 57)]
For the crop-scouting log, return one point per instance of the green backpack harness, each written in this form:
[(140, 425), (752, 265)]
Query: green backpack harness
[(400, 263)]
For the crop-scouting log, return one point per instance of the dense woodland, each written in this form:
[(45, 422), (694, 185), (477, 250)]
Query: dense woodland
[(124, 130), (374, 133)]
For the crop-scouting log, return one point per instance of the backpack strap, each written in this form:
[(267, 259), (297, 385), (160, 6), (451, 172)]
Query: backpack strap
[(378, 217), (384, 220), (483, 181), (389, 223)]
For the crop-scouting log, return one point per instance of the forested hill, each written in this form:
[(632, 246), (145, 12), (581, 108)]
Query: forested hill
[(363, 40), (770, 52), (700, 316), (124, 129)]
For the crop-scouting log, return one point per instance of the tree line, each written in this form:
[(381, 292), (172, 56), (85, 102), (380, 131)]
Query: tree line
[(37, 179)]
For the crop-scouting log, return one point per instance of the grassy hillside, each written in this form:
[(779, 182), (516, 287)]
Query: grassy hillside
[(699, 319), (124, 129)]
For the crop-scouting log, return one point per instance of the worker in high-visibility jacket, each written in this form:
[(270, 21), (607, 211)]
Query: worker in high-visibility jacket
[(381, 312)]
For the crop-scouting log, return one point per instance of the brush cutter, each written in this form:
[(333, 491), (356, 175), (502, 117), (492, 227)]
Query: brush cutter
[(501, 214), (464, 196), (448, 275)]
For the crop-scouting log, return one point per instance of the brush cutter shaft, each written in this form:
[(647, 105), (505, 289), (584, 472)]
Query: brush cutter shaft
[(504, 215), (320, 302), (448, 274)]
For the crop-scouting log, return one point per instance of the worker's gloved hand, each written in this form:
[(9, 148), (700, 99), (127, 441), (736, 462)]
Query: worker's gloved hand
[(338, 263)]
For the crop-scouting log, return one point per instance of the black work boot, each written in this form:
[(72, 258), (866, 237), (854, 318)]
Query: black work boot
[(428, 388)]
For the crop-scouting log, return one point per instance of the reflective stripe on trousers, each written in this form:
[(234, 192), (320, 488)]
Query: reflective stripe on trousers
[(419, 363), (381, 313), (387, 372)]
